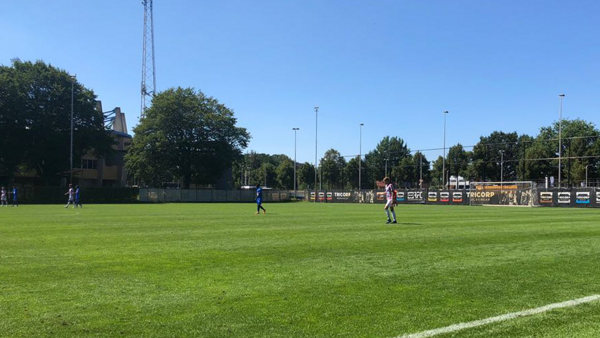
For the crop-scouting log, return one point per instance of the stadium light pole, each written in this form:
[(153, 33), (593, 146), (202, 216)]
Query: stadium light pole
[(316, 133), (444, 159), (295, 163), (72, 109), (562, 96), (501, 168), (360, 158)]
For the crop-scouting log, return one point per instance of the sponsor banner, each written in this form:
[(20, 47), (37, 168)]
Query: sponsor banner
[(583, 198), (400, 196), (564, 198), (274, 196), (432, 197), (415, 196), (598, 198), (312, 196), (445, 197), (321, 196), (546, 198), (342, 197), (458, 197), (380, 197), (329, 196)]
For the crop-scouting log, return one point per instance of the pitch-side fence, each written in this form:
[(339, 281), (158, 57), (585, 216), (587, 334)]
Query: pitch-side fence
[(576, 197)]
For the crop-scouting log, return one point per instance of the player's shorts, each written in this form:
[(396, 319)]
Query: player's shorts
[(389, 203), (259, 201)]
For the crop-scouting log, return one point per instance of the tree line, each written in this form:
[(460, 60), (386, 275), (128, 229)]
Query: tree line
[(192, 139)]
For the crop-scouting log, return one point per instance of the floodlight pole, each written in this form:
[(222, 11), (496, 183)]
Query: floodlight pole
[(562, 96), (501, 169), (316, 133), (444, 159), (360, 158), (420, 170), (295, 163), (71, 154)]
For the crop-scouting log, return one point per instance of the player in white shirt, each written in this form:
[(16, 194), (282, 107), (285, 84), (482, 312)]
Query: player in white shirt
[(3, 197), (389, 205), (71, 194)]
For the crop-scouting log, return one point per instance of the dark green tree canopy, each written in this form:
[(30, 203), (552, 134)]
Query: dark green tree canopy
[(35, 120), (185, 136)]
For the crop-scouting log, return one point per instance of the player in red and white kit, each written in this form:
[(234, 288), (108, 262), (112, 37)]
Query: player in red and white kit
[(71, 194), (389, 205)]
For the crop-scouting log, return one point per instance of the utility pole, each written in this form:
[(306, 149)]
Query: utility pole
[(316, 149), (72, 109), (360, 158), (562, 96), (444, 159), (295, 163)]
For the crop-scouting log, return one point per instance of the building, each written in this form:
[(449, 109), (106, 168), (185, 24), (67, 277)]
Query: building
[(109, 171)]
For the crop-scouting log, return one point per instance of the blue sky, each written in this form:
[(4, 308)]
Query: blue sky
[(393, 65)]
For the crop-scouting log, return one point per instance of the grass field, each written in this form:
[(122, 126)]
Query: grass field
[(301, 270)]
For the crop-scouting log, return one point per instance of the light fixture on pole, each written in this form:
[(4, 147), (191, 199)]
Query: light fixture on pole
[(562, 96), (444, 159), (360, 158), (295, 163), (73, 79), (316, 133)]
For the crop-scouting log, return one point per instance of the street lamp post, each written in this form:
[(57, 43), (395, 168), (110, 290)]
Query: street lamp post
[(444, 159), (360, 158), (295, 163), (562, 96), (316, 133), (72, 109), (420, 170), (586, 175)]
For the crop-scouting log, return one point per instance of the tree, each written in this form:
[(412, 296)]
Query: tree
[(185, 135), (35, 120), (268, 176), (437, 173), (458, 161), (285, 175), (408, 172), (487, 157), (332, 169), (388, 153), (306, 176), (351, 173)]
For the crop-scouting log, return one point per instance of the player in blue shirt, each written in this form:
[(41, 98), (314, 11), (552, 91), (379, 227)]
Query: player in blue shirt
[(77, 201), (259, 197), (15, 197)]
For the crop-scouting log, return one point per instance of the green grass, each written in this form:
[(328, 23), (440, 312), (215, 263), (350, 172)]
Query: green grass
[(302, 270)]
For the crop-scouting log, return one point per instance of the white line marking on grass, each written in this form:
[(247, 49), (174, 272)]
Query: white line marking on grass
[(508, 316)]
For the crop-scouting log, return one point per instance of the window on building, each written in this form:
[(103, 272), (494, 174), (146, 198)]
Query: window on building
[(89, 164)]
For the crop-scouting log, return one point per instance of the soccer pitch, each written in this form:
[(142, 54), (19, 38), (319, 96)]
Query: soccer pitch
[(301, 270)]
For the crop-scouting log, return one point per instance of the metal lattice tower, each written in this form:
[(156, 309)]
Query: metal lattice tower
[(148, 65)]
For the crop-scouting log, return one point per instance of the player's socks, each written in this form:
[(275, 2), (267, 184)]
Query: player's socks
[(394, 214), (387, 212)]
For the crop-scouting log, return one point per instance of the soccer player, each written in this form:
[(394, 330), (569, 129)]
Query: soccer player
[(389, 205), (70, 193), (15, 197), (259, 200), (3, 199), (77, 201)]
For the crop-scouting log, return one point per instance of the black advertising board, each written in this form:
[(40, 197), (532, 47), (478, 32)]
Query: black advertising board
[(380, 197), (400, 196), (416, 196), (432, 197), (546, 199), (564, 198), (583, 199), (597, 198), (342, 196), (321, 197), (312, 196), (459, 197)]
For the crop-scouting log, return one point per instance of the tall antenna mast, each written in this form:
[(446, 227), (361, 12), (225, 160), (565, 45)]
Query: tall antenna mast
[(148, 65)]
